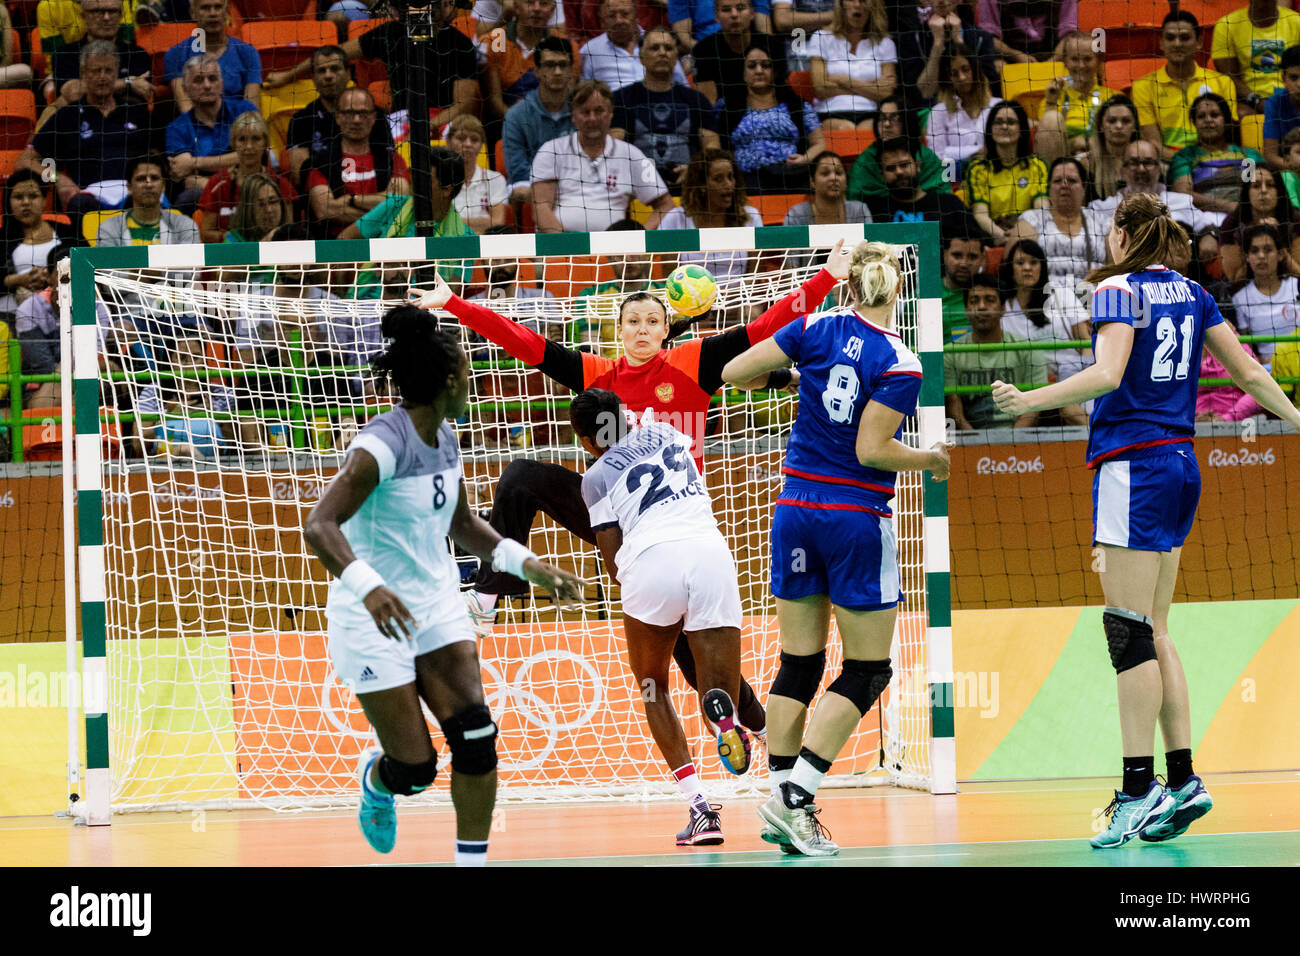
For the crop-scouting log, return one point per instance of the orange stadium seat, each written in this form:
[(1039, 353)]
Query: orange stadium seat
[(565, 278), (848, 143), (158, 39), (278, 10), (801, 82), (382, 94), (1109, 14), (284, 43), (1125, 42), (8, 160), (17, 118), (43, 442), (774, 207), (38, 55), (499, 158), (1120, 74)]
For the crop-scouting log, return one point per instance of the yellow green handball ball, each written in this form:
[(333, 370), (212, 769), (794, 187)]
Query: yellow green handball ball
[(691, 290)]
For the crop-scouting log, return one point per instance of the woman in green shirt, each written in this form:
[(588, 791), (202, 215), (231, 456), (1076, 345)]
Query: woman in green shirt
[(1214, 167), (867, 178)]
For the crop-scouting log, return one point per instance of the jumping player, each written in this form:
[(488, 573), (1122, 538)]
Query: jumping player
[(398, 630), (1149, 324), (833, 542), (655, 528), (674, 383)]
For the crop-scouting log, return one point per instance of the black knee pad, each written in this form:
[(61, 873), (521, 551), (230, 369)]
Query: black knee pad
[(1129, 637), (799, 676), (472, 737), (861, 682), (407, 778)]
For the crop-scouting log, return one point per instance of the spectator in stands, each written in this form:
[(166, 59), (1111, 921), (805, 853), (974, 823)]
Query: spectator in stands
[(198, 141), (906, 201), (1073, 235), (509, 74), (1223, 403), (892, 121), (955, 130), (103, 20), (1289, 150), (490, 15), (1212, 168), (772, 132), (447, 67), (144, 222), (1261, 200), (1025, 32), (1009, 179), (963, 258), (921, 47), (1162, 98), (695, 20), (1142, 175), (251, 141), (1019, 367), (259, 212), (584, 181), (806, 16), (1247, 47), (484, 200), (1037, 310), (1071, 103), (92, 140), (1116, 126), (662, 117), (355, 178), (313, 128), (239, 63), (713, 197), (854, 64), (27, 240), (720, 57), (13, 74), (1268, 303), (395, 217), (1282, 109), (541, 116), (616, 57), (826, 202), (596, 307)]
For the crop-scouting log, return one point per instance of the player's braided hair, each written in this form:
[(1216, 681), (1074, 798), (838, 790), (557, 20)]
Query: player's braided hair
[(1153, 237), (597, 414), (418, 355), (873, 275)]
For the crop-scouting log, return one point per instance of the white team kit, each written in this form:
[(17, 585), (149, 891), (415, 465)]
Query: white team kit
[(674, 562), (401, 531)]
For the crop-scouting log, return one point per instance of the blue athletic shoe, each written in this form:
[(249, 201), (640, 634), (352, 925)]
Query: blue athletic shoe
[(1130, 816), (733, 742), (1191, 802), (378, 814)]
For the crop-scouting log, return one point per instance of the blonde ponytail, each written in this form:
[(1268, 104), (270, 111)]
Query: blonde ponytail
[(873, 275)]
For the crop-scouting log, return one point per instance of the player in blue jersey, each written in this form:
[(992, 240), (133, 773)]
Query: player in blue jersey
[(398, 629), (1149, 324), (833, 542)]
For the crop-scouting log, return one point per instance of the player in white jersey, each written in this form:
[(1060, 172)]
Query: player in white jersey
[(398, 629), (654, 525)]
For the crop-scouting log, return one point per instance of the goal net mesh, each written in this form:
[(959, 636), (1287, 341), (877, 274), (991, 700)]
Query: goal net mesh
[(228, 396)]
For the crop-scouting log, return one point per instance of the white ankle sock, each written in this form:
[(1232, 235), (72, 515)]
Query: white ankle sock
[(471, 852), (807, 776), (689, 782), (778, 777)]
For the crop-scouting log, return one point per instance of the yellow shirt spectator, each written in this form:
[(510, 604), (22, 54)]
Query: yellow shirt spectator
[(1008, 191), (61, 23), (1080, 109), (1258, 50), (1286, 364), (1166, 104)]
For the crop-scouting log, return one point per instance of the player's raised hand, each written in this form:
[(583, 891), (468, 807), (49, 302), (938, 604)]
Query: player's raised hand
[(1010, 399), (941, 462), (837, 262), (390, 614), (432, 299), (566, 588)]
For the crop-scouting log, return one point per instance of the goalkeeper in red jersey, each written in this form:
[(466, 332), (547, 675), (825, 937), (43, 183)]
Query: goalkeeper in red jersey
[(675, 383)]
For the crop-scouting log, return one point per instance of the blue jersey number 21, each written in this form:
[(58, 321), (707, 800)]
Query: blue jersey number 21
[(1162, 366)]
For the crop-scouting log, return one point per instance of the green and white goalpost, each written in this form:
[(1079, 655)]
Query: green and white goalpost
[(201, 610)]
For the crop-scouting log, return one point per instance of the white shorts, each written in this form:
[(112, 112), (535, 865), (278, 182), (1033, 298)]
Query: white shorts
[(366, 661), (693, 579)]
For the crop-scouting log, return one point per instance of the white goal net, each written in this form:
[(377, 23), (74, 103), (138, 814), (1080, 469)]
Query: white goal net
[(228, 394)]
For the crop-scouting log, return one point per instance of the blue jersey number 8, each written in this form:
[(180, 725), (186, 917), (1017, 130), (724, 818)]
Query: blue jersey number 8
[(841, 391)]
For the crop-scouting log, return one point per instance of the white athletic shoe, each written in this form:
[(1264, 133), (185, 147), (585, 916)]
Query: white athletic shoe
[(800, 827), (480, 620)]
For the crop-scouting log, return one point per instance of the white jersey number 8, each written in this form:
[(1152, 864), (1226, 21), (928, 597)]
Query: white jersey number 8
[(841, 391), (1162, 368)]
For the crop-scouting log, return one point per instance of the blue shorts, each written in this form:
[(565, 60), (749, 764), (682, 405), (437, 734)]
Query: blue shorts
[(1147, 504), (824, 546)]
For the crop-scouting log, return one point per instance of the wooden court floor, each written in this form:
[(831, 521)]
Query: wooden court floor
[(1255, 821)]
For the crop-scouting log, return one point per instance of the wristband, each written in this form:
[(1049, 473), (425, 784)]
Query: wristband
[(509, 556), (779, 378), (360, 578)]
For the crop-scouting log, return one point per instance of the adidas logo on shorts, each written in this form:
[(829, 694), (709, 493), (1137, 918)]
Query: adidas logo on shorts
[(368, 674)]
